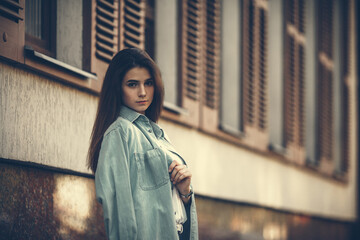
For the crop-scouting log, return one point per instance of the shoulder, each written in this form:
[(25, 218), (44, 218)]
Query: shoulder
[(120, 125)]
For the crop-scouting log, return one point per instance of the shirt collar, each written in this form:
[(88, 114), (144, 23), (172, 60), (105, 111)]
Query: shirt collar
[(157, 129), (133, 116), (130, 114)]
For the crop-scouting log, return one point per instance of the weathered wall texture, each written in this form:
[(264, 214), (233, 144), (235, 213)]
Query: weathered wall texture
[(43, 121)]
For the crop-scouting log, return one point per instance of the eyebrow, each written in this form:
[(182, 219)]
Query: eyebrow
[(133, 80)]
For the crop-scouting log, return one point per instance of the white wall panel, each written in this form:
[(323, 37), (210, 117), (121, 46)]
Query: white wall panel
[(43, 121)]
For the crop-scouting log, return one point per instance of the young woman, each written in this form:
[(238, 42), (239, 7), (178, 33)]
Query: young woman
[(141, 181)]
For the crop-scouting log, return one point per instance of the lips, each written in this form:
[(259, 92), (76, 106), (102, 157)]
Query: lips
[(142, 102)]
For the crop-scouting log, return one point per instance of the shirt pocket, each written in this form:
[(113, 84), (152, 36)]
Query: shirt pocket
[(152, 169)]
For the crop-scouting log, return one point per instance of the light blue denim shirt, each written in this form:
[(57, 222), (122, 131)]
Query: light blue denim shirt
[(132, 181)]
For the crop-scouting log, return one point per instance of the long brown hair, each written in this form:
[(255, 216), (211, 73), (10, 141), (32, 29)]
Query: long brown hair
[(111, 95)]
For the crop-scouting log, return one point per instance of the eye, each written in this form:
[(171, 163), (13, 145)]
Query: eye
[(131, 84), (149, 83)]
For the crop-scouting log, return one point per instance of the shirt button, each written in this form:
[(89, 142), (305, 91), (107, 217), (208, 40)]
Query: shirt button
[(149, 131)]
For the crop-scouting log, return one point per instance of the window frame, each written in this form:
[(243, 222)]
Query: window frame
[(150, 27), (47, 43)]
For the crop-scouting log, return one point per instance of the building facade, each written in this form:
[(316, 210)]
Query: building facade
[(264, 89)]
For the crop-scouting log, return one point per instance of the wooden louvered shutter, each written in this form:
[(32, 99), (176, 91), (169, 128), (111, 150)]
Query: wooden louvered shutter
[(103, 37), (12, 30), (345, 75), (211, 66), (132, 24), (255, 99), (294, 81), (190, 63), (325, 86)]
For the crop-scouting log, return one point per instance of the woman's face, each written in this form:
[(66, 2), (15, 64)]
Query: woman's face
[(137, 89)]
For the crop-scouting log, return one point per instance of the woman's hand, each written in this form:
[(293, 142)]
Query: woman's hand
[(180, 176)]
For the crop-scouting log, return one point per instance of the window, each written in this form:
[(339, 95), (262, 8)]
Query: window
[(244, 81), (325, 78), (254, 73), (200, 63), (40, 26), (54, 41), (333, 72), (341, 93), (276, 76), (310, 83), (190, 59), (211, 67), (331, 118), (342, 137), (132, 24), (150, 28), (191, 73), (294, 80), (230, 120), (102, 37), (166, 51)]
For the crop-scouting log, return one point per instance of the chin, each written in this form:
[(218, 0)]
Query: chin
[(141, 110)]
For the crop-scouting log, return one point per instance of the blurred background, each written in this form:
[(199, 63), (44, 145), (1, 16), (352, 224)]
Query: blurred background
[(261, 100)]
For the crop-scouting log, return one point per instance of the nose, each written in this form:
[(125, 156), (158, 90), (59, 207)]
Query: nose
[(142, 90)]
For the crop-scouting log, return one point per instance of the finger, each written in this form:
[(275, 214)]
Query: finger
[(178, 175), (175, 171), (184, 176), (172, 165)]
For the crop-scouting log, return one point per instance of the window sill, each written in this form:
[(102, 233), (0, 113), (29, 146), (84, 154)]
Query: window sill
[(278, 149), (175, 109), (232, 131), (61, 71), (29, 50), (175, 114)]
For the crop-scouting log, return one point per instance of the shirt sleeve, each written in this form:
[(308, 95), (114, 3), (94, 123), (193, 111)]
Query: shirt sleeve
[(113, 189)]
